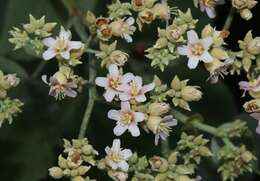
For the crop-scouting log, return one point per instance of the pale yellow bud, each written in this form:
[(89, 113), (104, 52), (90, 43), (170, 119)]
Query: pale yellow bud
[(62, 162), (82, 170), (246, 14), (78, 178), (104, 32), (138, 5), (161, 43), (191, 93), (239, 4), (157, 109), (62, 79), (146, 16), (118, 57), (176, 84), (56, 172), (90, 18), (207, 31), (254, 46), (87, 149), (153, 123), (158, 164), (116, 27), (161, 11)]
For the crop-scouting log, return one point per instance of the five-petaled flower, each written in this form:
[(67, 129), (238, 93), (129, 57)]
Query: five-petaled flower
[(196, 50), (136, 90), (114, 82), (117, 157), (61, 46), (126, 119)]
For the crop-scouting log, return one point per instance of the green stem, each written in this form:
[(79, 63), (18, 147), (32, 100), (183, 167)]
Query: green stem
[(91, 99), (165, 147), (196, 123), (38, 70), (229, 19), (89, 50)]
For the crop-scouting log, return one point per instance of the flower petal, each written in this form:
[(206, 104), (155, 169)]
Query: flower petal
[(193, 62), (128, 38), (130, 21), (192, 37), (206, 57), (114, 114), (109, 95), (123, 166), (125, 106), (139, 117), (148, 87), (255, 115), (139, 81), (119, 129), (44, 79), (101, 81), (66, 35), (183, 50), (207, 42), (127, 78), (126, 153), (116, 145), (140, 98), (65, 55), (211, 12), (48, 54), (134, 130), (124, 96), (113, 70), (49, 42), (108, 150), (75, 45)]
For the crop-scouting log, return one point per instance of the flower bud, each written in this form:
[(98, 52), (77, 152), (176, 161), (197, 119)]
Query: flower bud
[(146, 16), (87, 149), (157, 109), (12, 80), (56, 172), (176, 84), (191, 93), (117, 27), (82, 170), (246, 14), (118, 175), (105, 32), (172, 159), (161, 43), (90, 18), (118, 57), (207, 31), (78, 178), (247, 156), (254, 46), (158, 164), (138, 5), (153, 123), (252, 106), (62, 79), (239, 4), (62, 162), (161, 11)]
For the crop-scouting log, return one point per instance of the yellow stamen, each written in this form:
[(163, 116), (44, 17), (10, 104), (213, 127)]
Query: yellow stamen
[(197, 49)]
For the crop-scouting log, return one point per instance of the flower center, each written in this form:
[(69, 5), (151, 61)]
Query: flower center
[(138, 2), (127, 118), (106, 32), (134, 89), (197, 49), (148, 17), (75, 157), (251, 107), (116, 157), (115, 83), (62, 45)]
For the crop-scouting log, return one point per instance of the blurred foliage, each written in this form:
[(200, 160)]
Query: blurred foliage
[(31, 144)]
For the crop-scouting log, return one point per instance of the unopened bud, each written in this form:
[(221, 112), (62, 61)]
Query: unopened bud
[(191, 93), (56, 172), (158, 164), (246, 14), (157, 109)]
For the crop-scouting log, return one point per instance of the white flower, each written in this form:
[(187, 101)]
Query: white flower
[(196, 50), (116, 157), (136, 90), (61, 46), (114, 82), (126, 120), (209, 6), (124, 28)]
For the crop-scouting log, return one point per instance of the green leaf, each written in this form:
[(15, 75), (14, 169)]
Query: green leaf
[(9, 66)]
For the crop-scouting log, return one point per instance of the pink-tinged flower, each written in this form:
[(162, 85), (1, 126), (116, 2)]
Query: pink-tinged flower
[(196, 50), (136, 90), (114, 83), (61, 46), (257, 117), (117, 157), (60, 88), (251, 86), (209, 6), (126, 120)]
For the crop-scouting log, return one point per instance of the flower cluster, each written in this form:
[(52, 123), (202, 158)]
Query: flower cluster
[(80, 157), (9, 108)]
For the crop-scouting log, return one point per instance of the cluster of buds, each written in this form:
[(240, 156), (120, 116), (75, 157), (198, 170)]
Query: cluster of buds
[(235, 161), (105, 27), (164, 50), (174, 167), (9, 108), (80, 158), (110, 55), (250, 48), (235, 129), (6, 82), (149, 10), (244, 7), (31, 34), (182, 93), (64, 83)]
